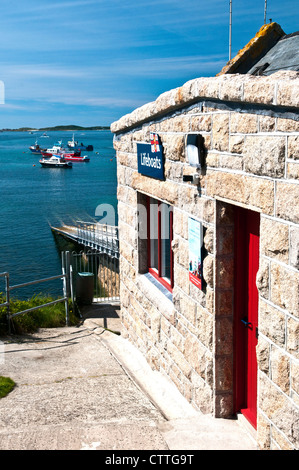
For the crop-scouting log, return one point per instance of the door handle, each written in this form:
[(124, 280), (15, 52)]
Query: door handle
[(246, 322)]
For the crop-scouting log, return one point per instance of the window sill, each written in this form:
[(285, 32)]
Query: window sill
[(157, 294), (164, 282)]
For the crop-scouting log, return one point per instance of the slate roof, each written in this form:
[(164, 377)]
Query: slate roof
[(283, 56), (269, 51)]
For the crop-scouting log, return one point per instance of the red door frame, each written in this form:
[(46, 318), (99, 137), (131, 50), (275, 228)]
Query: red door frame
[(247, 225)]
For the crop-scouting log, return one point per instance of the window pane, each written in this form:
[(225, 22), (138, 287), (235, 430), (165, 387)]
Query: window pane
[(165, 259), (154, 261), (159, 240), (165, 240)]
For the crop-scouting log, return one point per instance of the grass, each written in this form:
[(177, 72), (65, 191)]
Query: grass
[(6, 386), (52, 316)]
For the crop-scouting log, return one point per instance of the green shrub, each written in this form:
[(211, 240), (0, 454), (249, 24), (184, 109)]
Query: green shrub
[(6, 386), (52, 316)]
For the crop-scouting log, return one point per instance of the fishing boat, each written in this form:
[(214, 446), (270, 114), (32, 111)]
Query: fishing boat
[(71, 157), (36, 149), (58, 149), (53, 150), (55, 162), (73, 144), (60, 153)]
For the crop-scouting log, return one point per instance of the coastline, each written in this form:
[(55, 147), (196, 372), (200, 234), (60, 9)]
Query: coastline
[(72, 128)]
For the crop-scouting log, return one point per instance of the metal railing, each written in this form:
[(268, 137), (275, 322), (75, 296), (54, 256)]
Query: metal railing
[(8, 288), (99, 236), (6, 275), (105, 270), (103, 266)]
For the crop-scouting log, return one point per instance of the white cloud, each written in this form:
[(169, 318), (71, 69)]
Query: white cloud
[(31, 71), (110, 83), (81, 98), (162, 66), (13, 107)]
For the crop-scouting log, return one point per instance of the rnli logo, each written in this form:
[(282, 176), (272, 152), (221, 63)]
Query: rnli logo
[(155, 143)]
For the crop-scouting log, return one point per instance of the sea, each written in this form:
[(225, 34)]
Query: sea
[(32, 199)]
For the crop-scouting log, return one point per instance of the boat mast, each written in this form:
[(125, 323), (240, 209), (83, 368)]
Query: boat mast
[(230, 29)]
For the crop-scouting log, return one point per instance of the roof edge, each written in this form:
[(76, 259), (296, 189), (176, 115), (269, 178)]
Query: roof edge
[(279, 89), (263, 41)]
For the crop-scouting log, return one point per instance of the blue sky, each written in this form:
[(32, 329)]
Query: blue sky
[(88, 62)]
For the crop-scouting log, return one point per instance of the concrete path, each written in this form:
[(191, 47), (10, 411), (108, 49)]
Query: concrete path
[(88, 388)]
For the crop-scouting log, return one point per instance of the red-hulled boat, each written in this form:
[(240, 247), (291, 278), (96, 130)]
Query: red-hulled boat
[(50, 152), (72, 157)]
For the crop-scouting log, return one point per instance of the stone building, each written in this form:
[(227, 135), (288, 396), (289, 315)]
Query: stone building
[(208, 207)]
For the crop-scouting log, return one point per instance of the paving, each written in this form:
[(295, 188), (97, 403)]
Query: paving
[(88, 388)]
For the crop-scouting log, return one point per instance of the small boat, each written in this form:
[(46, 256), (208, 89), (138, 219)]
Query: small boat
[(73, 144), (71, 157), (55, 162), (44, 135), (36, 149), (53, 150), (58, 149), (61, 152)]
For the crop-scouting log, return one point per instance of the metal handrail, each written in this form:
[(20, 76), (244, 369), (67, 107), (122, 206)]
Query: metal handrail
[(61, 276), (63, 299), (6, 304), (64, 276)]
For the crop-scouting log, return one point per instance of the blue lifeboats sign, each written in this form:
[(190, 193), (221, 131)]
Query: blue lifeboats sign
[(151, 159)]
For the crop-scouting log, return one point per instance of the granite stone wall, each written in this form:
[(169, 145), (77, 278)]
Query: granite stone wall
[(250, 127)]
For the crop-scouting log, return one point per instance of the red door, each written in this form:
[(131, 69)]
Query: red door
[(246, 312)]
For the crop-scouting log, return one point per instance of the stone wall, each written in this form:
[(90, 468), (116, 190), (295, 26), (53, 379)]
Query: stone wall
[(251, 131)]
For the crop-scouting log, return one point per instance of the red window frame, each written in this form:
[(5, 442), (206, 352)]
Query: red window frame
[(157, 272)]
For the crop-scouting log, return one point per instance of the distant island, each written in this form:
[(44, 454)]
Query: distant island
[(58, 128)]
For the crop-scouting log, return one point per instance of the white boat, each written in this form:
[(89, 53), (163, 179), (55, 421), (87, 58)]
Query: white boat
[(74, 144), (57, 148), (55, 162)]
